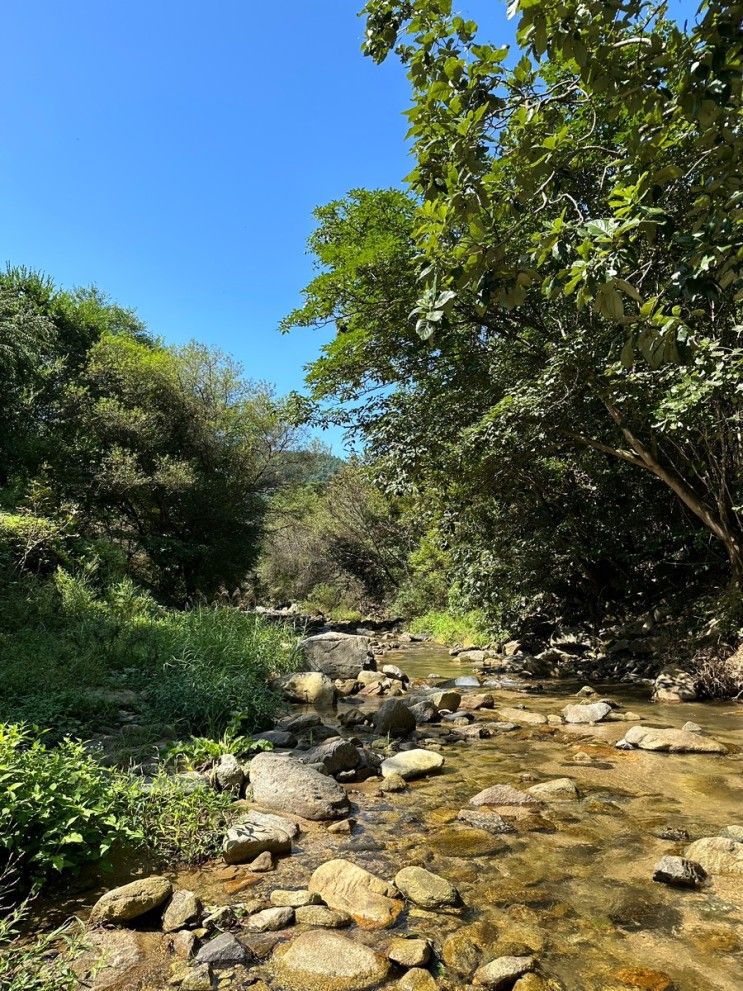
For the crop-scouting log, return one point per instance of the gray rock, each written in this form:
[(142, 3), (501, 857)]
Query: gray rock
[(679, 872), (425, 888), (322, 917), (262, 863), (271, 919), (593, 712), (393, 671), (503, 972), (411, 764), (424, 712), (446, 699), (522, 717), (409, 952), (131, 900), (674, 684), (557, 790), (197, 978), (310, 688), (338, 655), (282, 739), (184, 909), (223, 951), (324, 959), (674, 741), (335, 755), (691, 727), (256, 833), (393, 718), (228, 774), (732, 833), (485, 819), (300, 723), (284, 784), (718, 855), (284, 898), (501, 795)]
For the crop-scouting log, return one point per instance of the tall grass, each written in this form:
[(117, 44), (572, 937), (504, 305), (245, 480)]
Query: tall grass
[(467, 629)]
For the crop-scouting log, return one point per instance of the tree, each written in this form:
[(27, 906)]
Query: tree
[(583, 205)]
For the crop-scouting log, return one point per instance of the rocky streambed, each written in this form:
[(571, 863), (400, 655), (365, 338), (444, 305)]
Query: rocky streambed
[(434, 827)]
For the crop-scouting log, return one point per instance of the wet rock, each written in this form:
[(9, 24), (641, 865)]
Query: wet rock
[(301, 723), (643, 977), (486, 819), (310, 688), (522, 717), (586, 691), (592, 712), (257, 833), (674, 684), (690, 727), (409, 764), (222, 917), (282, 739), (184, 909), (322, 917), (325, 960), (271, 919), (284, 898), (424, 712), (501, 795), (409, 952), (393, 671), (353, 717), (228, 775), (467, 681), (717, 855), (197, 978), (223, 951), (679, 872), (342, 826), (674, 741), (446, 699), (425, 888), (262, 863), (344, 886), (337, 655), (335, 755), (184, 944), (369, 677), (732, 833), (558, 790), (416, 979), (285, 784), (131, 900), (392, 783), (110, 957), (463, 949), (465, 842), (393, 718), (502, 972), (475, 702)]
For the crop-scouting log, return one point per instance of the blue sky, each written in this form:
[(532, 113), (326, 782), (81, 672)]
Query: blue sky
[(171, 152)]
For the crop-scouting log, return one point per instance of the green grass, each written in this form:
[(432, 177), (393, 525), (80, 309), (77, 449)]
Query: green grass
[(469, 629), (67, 651)]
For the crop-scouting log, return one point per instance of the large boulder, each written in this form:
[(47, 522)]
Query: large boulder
[(393, 718), (717, 855), (674, 684), (591, 712), (673, 741), (309, 688), (256, 833), (131, 900), (335, 755), (327, 961), (411, 764), (425, 888), (282, 783), (344, 886), (338, 655)]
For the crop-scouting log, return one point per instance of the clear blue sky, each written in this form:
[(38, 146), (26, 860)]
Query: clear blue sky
[(171, 152)]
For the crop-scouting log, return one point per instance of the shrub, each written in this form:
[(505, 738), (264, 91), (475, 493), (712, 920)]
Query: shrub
[(469, 629)]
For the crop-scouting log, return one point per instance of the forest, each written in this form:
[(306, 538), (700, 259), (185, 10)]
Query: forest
[(537, 360)]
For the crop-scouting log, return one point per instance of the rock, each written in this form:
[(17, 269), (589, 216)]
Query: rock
[(345, 687), (326, 961), (502, 795), (131, 900), (279, 738), (337, 655), (341, 826), (197, 978), (228, 775), (558, 790), (674, 684), (372, 902), (446, 699), (271, 919), (184, 944), (674, 741), (282, 783), (366, 678), (222, 917), (184, 909), (416, 979), (262, 863), (467, 681), (336, 754), (643, 977), (223, 951), (522, 717), (691, 727), (110, 957), (463, 949), (392, 783), (301, 723), (310, 688), (679, 872), (717, 855), (409, 952), (502, 972), (586, 691), (732, 832), (257, 833), (425, 888), (393, 671), (322, 917), (411, 764), (284, 898), (424, 712), (474, 702), (485, 819), (393, 718), (592, 712), (473, 656), (353, 717)]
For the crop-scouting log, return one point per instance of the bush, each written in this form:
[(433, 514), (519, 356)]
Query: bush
[(469, 629)]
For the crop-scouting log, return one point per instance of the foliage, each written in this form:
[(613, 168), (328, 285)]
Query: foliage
[(42, 963), (467, 629), (201, 752), (60, 807)]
